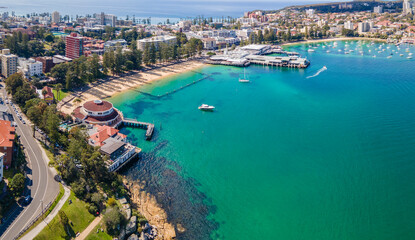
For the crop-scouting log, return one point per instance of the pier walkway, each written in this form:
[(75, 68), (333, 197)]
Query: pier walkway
[(143, 125), (178, 89)]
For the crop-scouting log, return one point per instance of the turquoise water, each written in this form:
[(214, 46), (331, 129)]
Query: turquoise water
[(286, 156)]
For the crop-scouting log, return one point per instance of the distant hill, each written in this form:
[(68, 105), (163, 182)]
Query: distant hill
[(350, 6)]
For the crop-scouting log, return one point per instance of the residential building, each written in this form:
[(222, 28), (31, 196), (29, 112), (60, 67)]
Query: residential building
[(8, 63), (378, 9), (56, 18), (107, 19), (349, 25), (113, 44), (1, 166), (7, 134), (46, 94), (209, 43), (310, 12), (363, 27), (30, 67), (168, 40), (407, 7), (74, 46), (47, 63)]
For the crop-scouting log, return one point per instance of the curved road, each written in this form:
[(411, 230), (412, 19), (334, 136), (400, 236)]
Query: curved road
[(43, 188)]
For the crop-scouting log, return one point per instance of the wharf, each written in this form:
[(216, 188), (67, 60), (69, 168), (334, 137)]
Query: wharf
[(143, 125)]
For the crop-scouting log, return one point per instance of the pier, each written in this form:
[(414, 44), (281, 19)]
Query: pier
[(256, 54), (176, 90), (143, 125)]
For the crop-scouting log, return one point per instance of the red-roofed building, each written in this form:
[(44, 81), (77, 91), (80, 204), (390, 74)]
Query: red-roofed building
[(7, 134), (98, 112), (48, 96), (102, 133)]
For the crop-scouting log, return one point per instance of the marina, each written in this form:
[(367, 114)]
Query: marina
[(259, 55)]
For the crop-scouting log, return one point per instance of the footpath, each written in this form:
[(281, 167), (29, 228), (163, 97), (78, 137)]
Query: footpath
[(35, 231)]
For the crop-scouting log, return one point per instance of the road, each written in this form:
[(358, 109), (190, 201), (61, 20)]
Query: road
[(43, 187)]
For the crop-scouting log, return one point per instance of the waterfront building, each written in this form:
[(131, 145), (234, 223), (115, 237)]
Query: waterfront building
[(30, 67), (8, 63), (167, 39), (98, 112), (113, 144), (56, 18), (74, 46), (7, 135)]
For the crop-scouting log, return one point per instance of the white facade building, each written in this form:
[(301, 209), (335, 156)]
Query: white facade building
[(378, 9), (30, 67), (363, 27), (349, 25), (168, 40)]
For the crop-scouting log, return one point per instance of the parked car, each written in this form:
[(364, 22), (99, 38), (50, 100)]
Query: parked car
[(27, 199)]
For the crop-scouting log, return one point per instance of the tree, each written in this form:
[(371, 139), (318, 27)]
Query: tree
[(152, 53), (13, 82), (58, 88), (17, 184), (63, 218), (111, 202), (113, 219), (49, 38)]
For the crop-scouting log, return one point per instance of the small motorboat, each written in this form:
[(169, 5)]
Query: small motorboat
[(205, 107)]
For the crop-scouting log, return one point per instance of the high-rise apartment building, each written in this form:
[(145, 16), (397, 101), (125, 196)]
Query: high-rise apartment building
[(74, 46), (56, 18), (8, 63)]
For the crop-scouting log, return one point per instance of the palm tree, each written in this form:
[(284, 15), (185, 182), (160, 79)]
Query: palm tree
[(58, 90)]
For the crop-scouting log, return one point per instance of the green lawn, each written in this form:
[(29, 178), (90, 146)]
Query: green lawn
[(58, 198), (62, 94), (100, 235), (79, 219)]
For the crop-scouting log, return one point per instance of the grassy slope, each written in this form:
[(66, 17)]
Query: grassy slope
[(79, 218)]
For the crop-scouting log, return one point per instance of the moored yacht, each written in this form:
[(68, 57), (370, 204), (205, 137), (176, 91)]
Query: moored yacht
[(205, 107)]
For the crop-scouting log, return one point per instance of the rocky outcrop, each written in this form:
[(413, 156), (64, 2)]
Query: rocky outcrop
[(152, 211)]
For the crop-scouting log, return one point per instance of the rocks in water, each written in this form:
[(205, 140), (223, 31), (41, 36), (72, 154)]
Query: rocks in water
[(149, 232), (131, 226)]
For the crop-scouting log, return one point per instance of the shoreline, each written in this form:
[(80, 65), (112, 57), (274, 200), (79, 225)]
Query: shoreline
[(332, 40), (113, 86)]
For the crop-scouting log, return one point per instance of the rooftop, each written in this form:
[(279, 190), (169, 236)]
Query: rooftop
[(7, 133), (97, 106)]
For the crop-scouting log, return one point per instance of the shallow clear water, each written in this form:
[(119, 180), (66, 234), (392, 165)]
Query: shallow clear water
[(285, 156)]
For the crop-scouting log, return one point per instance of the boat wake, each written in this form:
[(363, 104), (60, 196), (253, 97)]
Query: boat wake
[(318, 72)]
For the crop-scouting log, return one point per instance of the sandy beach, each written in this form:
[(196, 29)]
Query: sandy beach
[(334, 39), (114, 85)]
